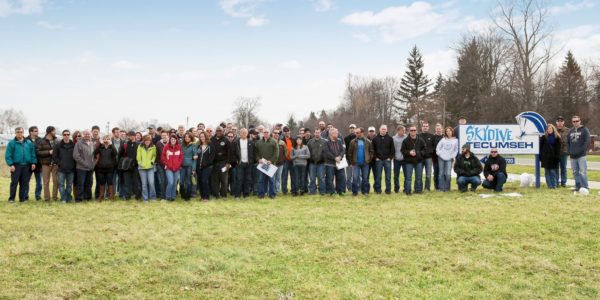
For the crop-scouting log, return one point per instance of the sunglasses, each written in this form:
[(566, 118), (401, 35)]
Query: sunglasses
[(413, 130), (576, 121), (66, 134), (230, 136), (493, 151)]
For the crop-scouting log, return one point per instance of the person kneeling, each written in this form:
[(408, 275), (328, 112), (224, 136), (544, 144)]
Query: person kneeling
[(494, 171), (467, 168)]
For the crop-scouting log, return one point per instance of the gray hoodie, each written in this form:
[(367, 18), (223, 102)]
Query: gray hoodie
[(83, 154), (398, 146), (578, 142), (300, 156)]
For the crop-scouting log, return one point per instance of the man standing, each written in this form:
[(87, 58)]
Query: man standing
[(316, 165), (131, 185), (334, 153), (44, 148), (398, 157), (244, 149), (429, 140), (413, 149), (154, 135), (20, 157), (288, 167), (37, 172), (63, 158), (349, 172), (160, 176), (83, 154), (221, 163), (360, 153), (578, 142), (564, 154), (383, 145), (494, 171), (467, 168), (266, 152), (117, 141)]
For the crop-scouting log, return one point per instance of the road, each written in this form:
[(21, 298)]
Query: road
[(531, 162)]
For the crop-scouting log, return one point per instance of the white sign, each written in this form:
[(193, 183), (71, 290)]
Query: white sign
[(509, 139), (269, 170)]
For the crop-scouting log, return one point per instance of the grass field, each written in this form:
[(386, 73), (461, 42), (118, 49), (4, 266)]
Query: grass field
[(542, 245)]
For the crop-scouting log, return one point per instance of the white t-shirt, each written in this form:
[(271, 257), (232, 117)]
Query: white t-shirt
[(244, 150)]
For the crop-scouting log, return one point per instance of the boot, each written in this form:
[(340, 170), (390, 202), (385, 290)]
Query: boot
[(111, 192), (101, 193)]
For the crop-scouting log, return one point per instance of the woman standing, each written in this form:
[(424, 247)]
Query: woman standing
[(204, 164), (172, 158), (189, 161), (550, 147), (446, 150), (300, 155), (106, 163), (146, 157), (76, 137)]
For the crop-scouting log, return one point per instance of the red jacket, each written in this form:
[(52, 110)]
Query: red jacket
[(172, 157)]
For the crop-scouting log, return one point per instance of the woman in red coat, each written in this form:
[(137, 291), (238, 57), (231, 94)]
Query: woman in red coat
[(172, 158)]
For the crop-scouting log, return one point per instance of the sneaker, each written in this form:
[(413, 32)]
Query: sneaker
[(11, 201)]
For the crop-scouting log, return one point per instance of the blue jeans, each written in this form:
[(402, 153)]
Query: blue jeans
[(464, 181), (383, 165), (436, 175), (288, 167), (185, 181), (20, 177), (65, 183), (148, 188), (37, 173), (418, 170), (243, 180), (445, 169), (428, 166), (349, 177), (84, 185), (300, 173), (361, 179), (160, 178), (171, 189), (551, 178), (204, 175), (266, 185), (579, 167), (340, 180), (497, 184), (398, 164), (276, 177), (563, 169), (317, 173)]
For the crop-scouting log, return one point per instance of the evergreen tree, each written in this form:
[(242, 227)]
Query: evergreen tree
[(568, 96), (411, 97)]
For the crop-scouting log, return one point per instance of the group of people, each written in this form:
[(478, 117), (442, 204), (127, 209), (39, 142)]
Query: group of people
[(214, 163)]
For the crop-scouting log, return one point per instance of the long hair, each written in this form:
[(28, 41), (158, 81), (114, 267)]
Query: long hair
[(206, 138), (446, 130), (553, 130), (191, 138)]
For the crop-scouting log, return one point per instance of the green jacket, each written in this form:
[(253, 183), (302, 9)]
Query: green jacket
[(146, 157), (20, 152), (268, 150)]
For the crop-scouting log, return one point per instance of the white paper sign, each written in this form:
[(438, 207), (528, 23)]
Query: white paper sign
[(342, 164), (267, 169)]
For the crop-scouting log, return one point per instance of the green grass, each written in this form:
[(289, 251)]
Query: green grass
[(593, 175), (542, 245)]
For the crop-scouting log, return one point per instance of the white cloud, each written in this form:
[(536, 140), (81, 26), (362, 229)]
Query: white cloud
[(442, 61), (83, 58), (125, 65), (583, 41), (322, 5), (361, 36), (21, 7), (257, 21), (399, 23), (569, 7), (291, 64), (52, 26)]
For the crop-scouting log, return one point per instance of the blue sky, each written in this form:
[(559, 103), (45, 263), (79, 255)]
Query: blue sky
[(104, 60)]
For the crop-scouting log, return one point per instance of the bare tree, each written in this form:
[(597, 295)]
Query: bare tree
[(10, 119), (129, 124), (245, 111)]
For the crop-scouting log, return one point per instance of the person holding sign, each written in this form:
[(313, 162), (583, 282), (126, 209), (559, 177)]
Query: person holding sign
[(467, 168), (413, 149), (334, 153), (494, 171), (267, 152)]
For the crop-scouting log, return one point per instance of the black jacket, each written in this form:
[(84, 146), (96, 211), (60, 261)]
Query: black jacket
[(467, 166), (494, 165), (222, 148), (129, 149), (436, 140), (316, 146), (384, 147), (205, 158), (237, 152), (63, 156), (347, 141), (430, 144), (550, 154), (416, 144), (332, 150), (106, 158)]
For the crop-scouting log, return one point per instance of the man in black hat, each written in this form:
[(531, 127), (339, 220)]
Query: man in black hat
[(564, 154), (467, 168)]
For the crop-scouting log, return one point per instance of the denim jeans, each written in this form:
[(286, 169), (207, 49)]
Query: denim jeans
[(130, 186), (361, 179), (464, 181), (171, 188), (349, 177), (317, 173), (428, 166), (276, 178), (204, 175), (185, 181), (148, 188), (243, 180), (65, 183), (579, 167), (383, 165), (84, 185), (300, 173), (160, 179), (563, 169), (436, 175), (551, 178), (497, 184), (20, 177), (266, 185), (398, 165), (288, 168), (445, 167), (340, 180), (37, 173), (418, 170)]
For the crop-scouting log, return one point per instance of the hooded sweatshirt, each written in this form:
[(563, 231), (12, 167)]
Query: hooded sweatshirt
[(578, 142), (172, 156)]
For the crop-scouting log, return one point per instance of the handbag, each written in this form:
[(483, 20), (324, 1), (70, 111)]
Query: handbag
[(125, 164)]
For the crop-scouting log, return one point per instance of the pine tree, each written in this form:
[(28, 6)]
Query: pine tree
[(411, 96), (568, 96), (292, 125)]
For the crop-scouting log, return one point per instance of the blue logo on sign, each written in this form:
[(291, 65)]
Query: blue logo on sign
[(531, 123)]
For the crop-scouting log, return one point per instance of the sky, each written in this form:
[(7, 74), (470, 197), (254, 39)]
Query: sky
[(73, 64)]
